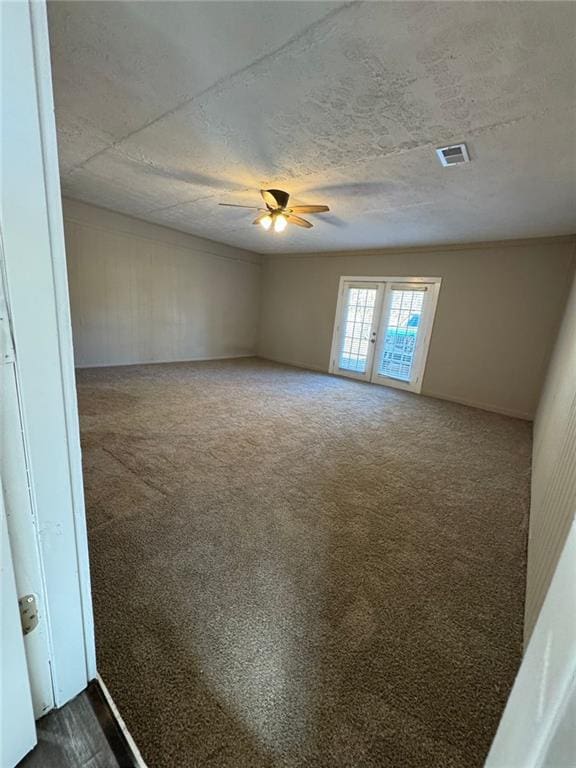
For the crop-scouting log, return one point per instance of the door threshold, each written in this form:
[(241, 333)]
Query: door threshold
[(117, 734), (87, 730)]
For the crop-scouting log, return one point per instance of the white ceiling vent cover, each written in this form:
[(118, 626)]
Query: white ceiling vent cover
[(455, 154)]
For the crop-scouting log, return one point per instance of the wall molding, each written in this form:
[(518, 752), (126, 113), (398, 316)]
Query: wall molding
[(168, 362), (260, 257), (440, 248)]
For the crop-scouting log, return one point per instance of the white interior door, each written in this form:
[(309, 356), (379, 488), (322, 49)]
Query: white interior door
[(357, 328), (403, 335), (18, 730)]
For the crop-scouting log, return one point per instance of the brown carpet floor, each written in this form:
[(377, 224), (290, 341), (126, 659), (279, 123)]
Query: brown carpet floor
[(292, 569)]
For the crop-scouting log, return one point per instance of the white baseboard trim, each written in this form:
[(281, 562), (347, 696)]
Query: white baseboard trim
[(164, 362), (122, 725), (482, 406), (293, 363), (461, 401)]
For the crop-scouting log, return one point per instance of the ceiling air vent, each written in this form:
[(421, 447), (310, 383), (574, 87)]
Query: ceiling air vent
[(453, 155)]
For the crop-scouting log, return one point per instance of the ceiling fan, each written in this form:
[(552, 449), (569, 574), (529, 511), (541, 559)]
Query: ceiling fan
[(277, 214)]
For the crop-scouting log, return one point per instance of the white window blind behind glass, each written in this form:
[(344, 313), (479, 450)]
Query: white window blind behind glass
[(402, 328), (358, 318)]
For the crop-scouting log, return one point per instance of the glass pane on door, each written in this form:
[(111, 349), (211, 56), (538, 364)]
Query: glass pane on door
[(357, 327), (401, 333)]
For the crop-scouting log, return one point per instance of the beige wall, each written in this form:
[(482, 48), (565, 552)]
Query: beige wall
[(554, 466), (145, 293), (498, 313)]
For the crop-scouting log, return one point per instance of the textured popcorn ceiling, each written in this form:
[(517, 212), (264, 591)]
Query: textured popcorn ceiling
[(165, 109)]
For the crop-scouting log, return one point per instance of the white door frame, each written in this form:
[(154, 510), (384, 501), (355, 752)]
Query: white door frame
[(39, 316), (425, 334), (537, 729)]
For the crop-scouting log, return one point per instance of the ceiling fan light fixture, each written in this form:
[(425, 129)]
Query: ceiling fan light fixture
[(276, 215), (266, 222), (280, 223)]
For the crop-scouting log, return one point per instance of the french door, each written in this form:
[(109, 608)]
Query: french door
[(383, 328)]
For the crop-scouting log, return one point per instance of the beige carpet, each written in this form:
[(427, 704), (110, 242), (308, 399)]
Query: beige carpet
[(292, 569)]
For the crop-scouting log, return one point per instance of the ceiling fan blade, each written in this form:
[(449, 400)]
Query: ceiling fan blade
[(275, 198), (298, 221), (269, 199), (309, 208), (233, 205)]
